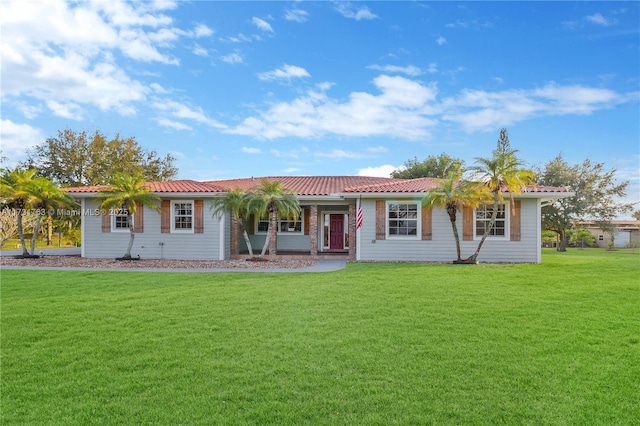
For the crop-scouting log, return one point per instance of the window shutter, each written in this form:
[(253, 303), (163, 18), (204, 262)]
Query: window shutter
[(305, 218), (198, 217), (427, 215), (515, 220), (467, 223), (252, 224), (381, 219), (106, 222), (138, 219), (165, 216)]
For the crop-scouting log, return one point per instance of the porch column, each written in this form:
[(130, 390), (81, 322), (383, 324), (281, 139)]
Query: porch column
[(313, 229), (352, 231)]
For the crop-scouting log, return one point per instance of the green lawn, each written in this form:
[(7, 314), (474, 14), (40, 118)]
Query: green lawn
[(379, 344)]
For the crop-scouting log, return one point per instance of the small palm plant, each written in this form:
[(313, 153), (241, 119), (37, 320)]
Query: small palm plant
[(453, 194), (236, 202), (275, 200), (500, 174), (44, 196), (126, 193), (15, 189)]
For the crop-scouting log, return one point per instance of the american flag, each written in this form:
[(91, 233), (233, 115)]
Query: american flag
[(359, 216)]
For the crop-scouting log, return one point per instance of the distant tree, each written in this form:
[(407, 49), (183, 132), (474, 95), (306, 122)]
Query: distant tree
[(580, 236), (597, 195), (453, 194), (433, 166), (78, 158), (275, 200), (500, 174), (237, 202), (636, 215), (126, 193)]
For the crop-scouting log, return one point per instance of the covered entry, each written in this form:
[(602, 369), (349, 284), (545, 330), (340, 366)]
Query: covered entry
[(335, 228)]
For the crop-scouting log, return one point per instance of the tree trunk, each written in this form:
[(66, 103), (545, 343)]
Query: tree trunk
[(273, 231), (451, 210), (49, 229), (34, 237), (19, 207), (132, 235), (562, 240)]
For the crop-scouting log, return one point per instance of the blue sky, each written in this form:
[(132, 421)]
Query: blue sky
[(236, 89)]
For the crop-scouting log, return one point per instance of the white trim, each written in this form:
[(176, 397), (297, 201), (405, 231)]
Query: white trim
[(345, 216), (538, 229), (507, 225), (418, 220), (221, 238), (279, 232), (173, 220), (83, 227), (113, 223)]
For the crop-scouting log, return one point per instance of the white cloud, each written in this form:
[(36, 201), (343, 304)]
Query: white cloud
[(17, 139), (291, 170), (432, 68), (409, 69), (379, 171), (297, 15), (482, 110), (287, 72), (599, 19), (64, 53), (200, 51), (248, 150), (349, 10), (176, 125), (201, 30), (441, 40), (262, 24), (182, 111), (399, 110), (232, 58)]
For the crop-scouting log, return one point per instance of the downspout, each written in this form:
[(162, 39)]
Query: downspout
[(82, 226)]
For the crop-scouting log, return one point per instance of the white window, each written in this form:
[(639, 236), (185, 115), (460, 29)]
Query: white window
[(120, 221), (483, 218), (182, 216), (285, 226), (403, 220)]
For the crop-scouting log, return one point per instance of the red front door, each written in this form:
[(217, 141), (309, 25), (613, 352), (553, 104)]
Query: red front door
[(336, 232)]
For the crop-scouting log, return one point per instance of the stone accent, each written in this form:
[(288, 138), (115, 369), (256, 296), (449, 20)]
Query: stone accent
[(313, 229), (352, 231)]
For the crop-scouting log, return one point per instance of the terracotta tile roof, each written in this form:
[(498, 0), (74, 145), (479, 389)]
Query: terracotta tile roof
[(398, 185), (173, 186), (307, 185)]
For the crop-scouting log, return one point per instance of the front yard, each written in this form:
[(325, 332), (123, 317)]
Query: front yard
[(557, 343)]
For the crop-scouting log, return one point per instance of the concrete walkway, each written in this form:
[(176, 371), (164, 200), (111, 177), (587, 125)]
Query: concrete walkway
[(320, 266)]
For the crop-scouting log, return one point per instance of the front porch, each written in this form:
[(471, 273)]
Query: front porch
[(322, 232)]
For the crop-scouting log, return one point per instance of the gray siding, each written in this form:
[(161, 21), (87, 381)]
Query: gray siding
[(205, 246), (441, 248)]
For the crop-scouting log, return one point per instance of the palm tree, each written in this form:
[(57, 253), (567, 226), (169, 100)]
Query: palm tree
[(15, 187), (126, 193), (44, 196), (453, 194), (502, 173), (275, 200), (236, 202)]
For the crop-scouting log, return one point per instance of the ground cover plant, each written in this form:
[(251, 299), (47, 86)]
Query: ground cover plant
[(556, 343)]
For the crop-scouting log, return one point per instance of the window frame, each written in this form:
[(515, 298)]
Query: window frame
[(259, 219), (507, 224), (173, 217), (418, 220), (114, 221)]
